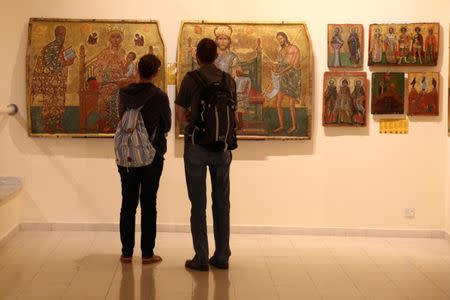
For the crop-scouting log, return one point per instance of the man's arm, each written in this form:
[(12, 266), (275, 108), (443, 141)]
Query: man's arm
[(182, 114), (182, 102), (166, 114)]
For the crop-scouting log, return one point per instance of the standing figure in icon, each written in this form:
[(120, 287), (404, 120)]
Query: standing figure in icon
[(413, 98), (288, 68), (404, 42), (433, 99), (354, 46), (377, 46), (359, 103), (431, 48), (331, 96), (336, 43), (344, 105), (49, 79), (417, 46), (391, 46)]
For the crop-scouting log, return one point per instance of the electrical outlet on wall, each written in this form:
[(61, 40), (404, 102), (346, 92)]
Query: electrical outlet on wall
[(410, 213)]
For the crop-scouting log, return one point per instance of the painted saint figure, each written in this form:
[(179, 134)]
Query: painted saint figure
[(431, 49), (288, 68), (417, 45), (93, 37), (388, 100), (331, 95), (228, 61), (433, 99), (130, 68), (391, 46), (336, 43), (354, 46), (138, 40), (109, 71), (49, 79), (404, 42), (359, 103), (344, 105), (413, 98), (377, 46)]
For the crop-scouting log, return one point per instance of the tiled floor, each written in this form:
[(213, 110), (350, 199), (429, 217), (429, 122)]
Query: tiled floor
[(85, 265)]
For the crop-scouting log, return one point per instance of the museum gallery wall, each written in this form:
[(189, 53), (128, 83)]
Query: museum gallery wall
[(306, 172)]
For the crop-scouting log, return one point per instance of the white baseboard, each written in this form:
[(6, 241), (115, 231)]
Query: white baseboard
[(9, 235), (246, 229)]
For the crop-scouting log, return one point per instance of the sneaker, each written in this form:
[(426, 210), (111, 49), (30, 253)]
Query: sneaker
[(195, 265), (151, 259), (126, 259), (218, 265)]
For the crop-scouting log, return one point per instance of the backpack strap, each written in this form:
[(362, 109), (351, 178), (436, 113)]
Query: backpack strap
[(223, 83), (199, 78), (152, 139), (134, 115)]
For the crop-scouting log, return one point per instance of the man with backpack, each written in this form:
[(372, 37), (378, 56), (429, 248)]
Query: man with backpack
[(206, 106), (140, 145)]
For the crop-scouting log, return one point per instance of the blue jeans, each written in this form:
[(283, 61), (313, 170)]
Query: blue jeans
[(196, 159)]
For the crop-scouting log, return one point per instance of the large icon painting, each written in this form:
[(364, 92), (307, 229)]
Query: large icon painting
[(272, 66), (75, 69)]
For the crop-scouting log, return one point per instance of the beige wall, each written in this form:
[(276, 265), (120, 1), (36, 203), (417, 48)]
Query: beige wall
[(10, 212), (341, 178)]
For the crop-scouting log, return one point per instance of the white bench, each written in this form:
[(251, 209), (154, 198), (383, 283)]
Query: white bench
[(9, 186)]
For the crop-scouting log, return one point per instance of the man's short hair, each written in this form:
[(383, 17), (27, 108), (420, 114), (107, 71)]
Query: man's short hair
[(148, 66), (207, 50)]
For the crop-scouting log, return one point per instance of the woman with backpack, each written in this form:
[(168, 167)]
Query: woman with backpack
[(145, 113)]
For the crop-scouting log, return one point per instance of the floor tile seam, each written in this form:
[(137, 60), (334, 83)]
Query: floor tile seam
[(306, 270), (311, 277), (112, 279), (411, 262), (431, 280), (22, 289), (332, 254), (268, 269), (86, 251), (391, 280)]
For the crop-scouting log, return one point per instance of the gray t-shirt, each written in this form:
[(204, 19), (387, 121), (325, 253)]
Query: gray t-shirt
[(190, 91)]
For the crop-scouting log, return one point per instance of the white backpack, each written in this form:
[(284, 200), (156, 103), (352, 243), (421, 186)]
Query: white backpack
[(132, 146)]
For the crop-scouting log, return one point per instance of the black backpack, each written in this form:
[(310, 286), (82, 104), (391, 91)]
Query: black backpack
[(216, 126)]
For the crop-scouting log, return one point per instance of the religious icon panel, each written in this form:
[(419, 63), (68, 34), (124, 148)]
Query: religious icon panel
[(423, 94), (75, 69), (345, 43), (272, 66), (344, 99), (388, 93), (415, 44)]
